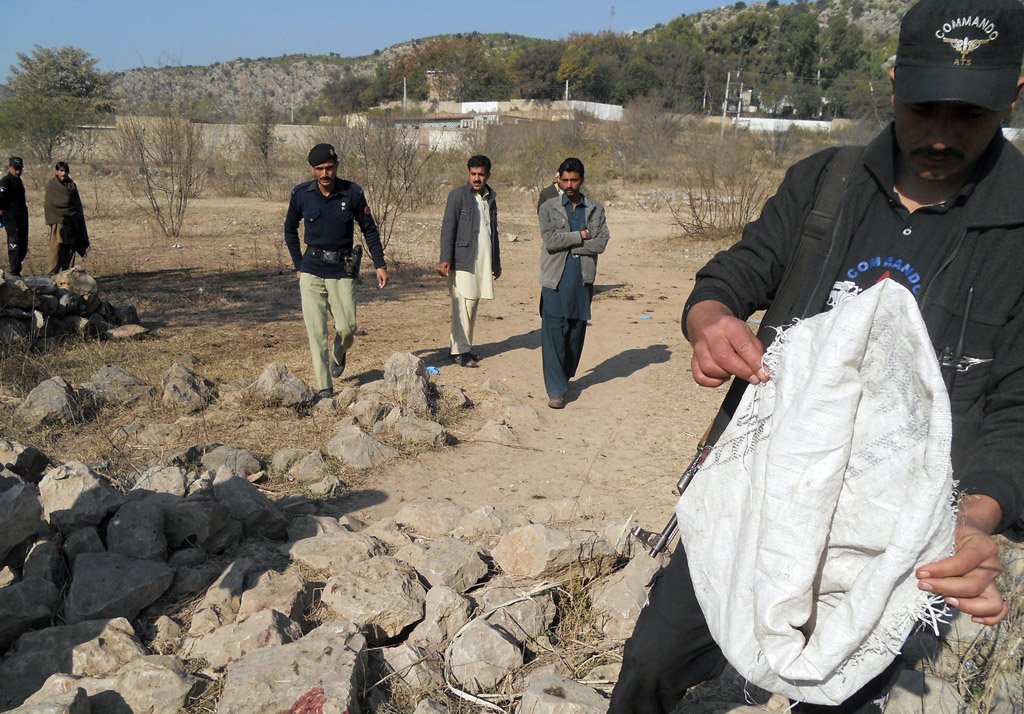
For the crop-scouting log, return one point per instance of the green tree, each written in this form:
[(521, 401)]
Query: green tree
[(536, 71), (52, 92)]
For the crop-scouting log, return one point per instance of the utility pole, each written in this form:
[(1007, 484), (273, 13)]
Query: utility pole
[(567, 90), (405, 94), (611, 19), (725, 104)]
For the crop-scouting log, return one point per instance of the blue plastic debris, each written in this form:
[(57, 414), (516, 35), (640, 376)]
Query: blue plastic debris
[(433, 370), (644, 317)]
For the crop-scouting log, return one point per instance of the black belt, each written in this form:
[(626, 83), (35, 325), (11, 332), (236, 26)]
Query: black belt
[(329, 256)]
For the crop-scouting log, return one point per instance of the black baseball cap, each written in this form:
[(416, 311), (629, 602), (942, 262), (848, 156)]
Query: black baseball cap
[(322, 154), (960, 51), (16, 162)]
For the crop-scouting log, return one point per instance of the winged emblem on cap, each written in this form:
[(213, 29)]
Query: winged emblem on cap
[(965, 45)]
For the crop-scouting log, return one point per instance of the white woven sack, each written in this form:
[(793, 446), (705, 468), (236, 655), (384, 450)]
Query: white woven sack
[(829, 487)]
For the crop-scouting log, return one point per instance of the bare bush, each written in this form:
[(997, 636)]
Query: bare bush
[(390, 163), (164, 154), (261, 144), (644, 139), (724, 190)]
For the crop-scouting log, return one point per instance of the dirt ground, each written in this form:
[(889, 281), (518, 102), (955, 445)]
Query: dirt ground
[(224, 291)]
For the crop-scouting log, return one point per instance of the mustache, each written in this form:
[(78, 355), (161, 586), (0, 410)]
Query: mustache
[(938, 154)]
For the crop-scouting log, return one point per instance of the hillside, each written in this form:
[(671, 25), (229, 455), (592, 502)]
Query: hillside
[(226, 91)]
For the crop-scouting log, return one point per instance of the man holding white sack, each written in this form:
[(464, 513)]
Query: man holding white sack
[(932, 203)]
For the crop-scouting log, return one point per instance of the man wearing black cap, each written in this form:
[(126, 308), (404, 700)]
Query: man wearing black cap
[(329, 207), (933, 203), (14, 213)]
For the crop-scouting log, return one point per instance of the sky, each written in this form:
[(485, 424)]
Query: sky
[(123, 34)]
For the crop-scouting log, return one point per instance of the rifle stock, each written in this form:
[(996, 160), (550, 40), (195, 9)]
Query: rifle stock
[(657, 542)]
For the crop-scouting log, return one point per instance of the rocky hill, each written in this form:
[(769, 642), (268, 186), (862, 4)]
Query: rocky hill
[(225, 91)]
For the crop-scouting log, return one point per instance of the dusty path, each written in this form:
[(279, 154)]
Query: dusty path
[(633, 416)]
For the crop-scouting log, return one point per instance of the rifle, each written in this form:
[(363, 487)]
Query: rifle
[(657, 542)]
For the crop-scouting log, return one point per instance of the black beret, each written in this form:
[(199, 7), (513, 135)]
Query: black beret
[(322, 154)]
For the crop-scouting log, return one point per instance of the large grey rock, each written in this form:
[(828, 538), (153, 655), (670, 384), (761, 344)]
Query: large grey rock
[(284, 592), (618, 599), (124, 333), (310, 526), (482, 655), (510, 607), (277, 386), (114, 385), (20, 511), (44, 560), (84, 540), (25, 605), (406, 383), (59, 695), (446, 561), (93, 648), (446, 611), (189, 579), (187, 391), (537, 551), (354, 447), (416, 430), (488, 521), (302, 465), (323, 672), (220, 604), (73, 496), (154, 684), (113, 585), (431, 517), (548, 693), (370, 410), (162, 479), (13, 332), (26, 461), (51, 402), (78, 281), (16, 292), (381, 595), (200, 522), (258, 514), (416, 666), (137, 531), (232, 642), (239, 461)]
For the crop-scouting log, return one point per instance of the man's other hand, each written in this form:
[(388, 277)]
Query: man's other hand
[(496, 273), (723, 346), (967, 579), (443, 268), (382, 277)]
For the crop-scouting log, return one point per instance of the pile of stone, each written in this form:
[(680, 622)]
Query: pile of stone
[(187, 582), (38, 309)]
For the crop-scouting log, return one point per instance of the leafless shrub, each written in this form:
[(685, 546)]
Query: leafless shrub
[(391, 164), (164, 154), (644, 139), (725, 189)]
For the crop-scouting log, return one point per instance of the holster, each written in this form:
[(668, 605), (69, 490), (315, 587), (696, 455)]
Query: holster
[(352, 261)]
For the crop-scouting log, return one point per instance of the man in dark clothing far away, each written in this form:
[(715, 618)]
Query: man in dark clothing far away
[(14, 213), (932, 203)]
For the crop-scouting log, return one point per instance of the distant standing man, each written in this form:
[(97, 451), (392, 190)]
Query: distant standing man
[(574, 233), (329, 208), (14, 213), (62, 209), (550, 191), (470, 254)]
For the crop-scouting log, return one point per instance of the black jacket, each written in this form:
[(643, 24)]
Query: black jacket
[(12, 201), (329, 225), (460, 229), (988, 399)]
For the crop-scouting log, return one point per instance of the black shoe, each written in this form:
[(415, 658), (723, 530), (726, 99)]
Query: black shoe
[(323, 394), (557, 402), (465, 360), (474, 356), (338, 368)]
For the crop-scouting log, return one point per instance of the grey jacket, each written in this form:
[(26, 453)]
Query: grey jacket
[(559, 241), (460, 230)]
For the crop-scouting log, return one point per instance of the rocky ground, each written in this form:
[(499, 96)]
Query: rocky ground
[(186, 529)]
